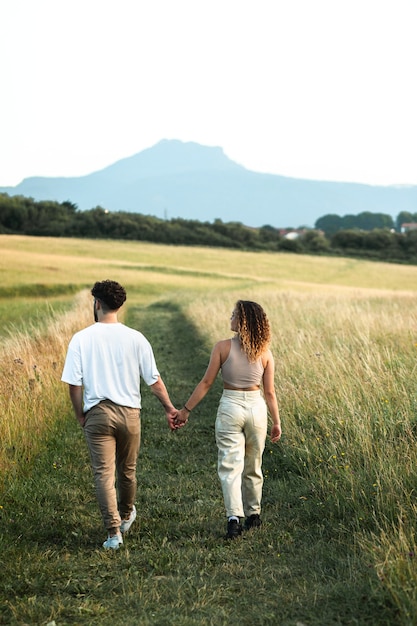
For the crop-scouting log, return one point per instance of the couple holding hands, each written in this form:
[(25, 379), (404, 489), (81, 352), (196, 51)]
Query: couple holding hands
[(103, 368)]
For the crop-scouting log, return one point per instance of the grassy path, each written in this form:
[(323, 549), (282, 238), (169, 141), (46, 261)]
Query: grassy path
[(175, 568)]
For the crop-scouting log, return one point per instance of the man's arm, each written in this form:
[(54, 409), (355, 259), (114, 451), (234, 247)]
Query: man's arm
[(76, 397), (160, 391)]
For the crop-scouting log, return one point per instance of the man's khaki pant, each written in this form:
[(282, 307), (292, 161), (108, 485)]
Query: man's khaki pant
[(113, 437)]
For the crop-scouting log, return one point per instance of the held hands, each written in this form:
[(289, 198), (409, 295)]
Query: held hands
[(176, 419), (182, 418)]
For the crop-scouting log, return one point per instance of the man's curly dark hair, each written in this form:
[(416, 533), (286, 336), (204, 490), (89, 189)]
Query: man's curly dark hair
[(110, 293)]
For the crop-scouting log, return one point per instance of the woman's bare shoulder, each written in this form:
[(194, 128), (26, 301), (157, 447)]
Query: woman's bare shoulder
[(267, 357), (224, 343), (222, 347)]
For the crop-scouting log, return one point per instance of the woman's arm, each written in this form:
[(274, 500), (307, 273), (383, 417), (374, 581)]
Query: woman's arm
[(270, 397), (204, 385)]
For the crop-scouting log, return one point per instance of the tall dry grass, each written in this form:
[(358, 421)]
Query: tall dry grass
[(32, 397), (346, 383)]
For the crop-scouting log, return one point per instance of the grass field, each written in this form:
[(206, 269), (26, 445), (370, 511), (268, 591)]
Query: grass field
[(338, 542)]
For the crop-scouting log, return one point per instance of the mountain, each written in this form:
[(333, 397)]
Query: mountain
[(187, 180)]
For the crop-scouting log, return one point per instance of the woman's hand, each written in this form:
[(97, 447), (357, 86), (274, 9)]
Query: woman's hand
[(276, 433)]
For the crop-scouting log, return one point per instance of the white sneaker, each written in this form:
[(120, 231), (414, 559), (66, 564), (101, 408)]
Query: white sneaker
[(113, 543), (127, 523)]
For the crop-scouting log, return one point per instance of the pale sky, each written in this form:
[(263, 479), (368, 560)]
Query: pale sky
[(318, 89)]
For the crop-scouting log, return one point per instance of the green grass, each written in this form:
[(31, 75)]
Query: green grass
[(18, 314)]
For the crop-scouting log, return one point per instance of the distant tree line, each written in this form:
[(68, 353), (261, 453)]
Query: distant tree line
[(367, 235), (331, 223)]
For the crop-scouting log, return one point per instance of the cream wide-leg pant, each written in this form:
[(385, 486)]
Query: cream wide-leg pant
[(241, 427)]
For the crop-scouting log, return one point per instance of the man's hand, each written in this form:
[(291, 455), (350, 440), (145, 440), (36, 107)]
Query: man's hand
[(171, 415)]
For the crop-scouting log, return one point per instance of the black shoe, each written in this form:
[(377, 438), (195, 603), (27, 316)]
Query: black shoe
[(253, 521), (234, 529)]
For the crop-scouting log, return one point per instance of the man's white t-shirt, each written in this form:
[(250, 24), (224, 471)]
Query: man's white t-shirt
[(108, 360)]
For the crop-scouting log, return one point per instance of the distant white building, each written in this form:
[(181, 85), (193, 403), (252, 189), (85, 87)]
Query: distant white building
[(294, 233), (405, 228)]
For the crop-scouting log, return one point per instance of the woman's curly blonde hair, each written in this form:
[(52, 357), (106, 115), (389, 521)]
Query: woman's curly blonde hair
[(253, 328)]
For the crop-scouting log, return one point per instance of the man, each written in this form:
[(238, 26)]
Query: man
[(103, 367)]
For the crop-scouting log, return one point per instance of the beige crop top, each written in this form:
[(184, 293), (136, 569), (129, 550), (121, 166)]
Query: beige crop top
[(237, 371)]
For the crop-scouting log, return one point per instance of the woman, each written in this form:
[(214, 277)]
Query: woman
[(241, 424)]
